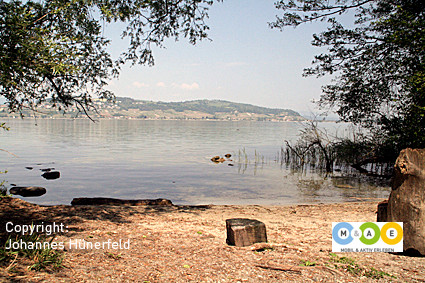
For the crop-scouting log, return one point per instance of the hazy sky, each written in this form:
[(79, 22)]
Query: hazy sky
[(246, 62)]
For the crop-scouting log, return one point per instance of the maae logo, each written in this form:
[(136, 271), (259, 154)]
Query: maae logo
[(367, 237)]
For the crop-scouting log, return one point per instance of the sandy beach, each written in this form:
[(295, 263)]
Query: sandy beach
[(188, 244)]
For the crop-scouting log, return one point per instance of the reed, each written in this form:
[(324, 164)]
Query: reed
[(244, 161), (316, 150)]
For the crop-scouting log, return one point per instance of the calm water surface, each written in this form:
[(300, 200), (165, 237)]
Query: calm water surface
[(167, 159)]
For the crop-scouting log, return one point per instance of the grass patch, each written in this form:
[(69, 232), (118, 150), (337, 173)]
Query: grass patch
[(3, 189), (307, 263), (40, 257), (112, 255), (3, 192), (350, 265)]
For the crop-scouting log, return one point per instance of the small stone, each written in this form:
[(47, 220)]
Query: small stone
[(215, 158), (218, 159), (51, 175)]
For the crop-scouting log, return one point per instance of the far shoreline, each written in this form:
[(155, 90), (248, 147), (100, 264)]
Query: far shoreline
[(184, 120)]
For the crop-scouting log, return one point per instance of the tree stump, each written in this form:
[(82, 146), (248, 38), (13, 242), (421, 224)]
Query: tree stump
[(407, 199), (243, 232)]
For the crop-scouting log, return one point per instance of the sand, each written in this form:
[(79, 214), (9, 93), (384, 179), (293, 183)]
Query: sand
[(188, 244)]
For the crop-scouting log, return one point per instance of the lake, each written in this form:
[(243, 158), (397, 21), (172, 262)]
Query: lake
[(138, 159)]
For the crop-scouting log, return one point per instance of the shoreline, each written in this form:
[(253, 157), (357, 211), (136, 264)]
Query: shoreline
[(188, 243), (265, 204)]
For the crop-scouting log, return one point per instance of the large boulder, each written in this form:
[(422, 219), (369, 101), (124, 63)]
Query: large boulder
[(407, 199), (28, 191)]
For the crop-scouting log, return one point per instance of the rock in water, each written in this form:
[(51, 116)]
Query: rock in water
[(243, 232), (215, 159), (218, 159), (407, 199), (28, 191), (51, 175)]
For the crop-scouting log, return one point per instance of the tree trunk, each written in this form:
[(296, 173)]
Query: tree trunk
[(407, 200)]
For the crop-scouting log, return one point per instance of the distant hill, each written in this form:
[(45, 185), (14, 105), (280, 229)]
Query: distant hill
[(201, 109), (126, 107)]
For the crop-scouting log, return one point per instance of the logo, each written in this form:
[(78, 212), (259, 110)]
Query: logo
[(367, 237)]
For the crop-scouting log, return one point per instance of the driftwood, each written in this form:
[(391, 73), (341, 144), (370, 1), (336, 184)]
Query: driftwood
[(280, 267), (297, 269), (372, 160), (114, 201)]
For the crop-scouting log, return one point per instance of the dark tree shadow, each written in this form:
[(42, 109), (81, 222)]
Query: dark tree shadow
[(20, 212)]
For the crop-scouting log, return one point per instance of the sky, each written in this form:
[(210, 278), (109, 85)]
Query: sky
[(246, 62)]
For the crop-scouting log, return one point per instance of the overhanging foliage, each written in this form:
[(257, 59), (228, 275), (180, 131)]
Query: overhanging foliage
[(377, 61), (55, 49)]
